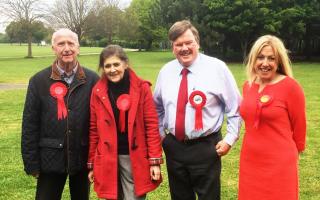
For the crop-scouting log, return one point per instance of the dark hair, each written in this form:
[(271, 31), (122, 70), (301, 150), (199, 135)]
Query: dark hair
[(178, 28), (112, 50)]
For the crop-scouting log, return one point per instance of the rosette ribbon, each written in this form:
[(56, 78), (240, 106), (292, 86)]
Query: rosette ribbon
[(262, 101), (123, 104), (58, 90), (198, 99)]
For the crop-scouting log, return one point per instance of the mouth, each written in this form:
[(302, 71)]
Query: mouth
[(113, 75), (67, 55), (264, 69), (185, 53)]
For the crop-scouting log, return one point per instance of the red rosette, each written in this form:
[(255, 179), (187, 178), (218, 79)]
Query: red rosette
[(58, 90), (262, 101), (123, 104), (198, 99)]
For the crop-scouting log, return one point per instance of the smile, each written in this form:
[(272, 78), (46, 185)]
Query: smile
[(265, 69)]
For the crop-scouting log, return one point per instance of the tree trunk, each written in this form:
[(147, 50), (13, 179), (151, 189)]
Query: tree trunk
[(29, 45), (244, 46)]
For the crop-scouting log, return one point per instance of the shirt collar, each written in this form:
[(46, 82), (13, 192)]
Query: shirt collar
[(193, 68), (62, 72)]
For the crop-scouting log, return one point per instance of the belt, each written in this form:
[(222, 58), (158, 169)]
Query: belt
[(195, 140)]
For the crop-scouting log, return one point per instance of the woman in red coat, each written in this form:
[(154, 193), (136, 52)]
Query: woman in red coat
[(125, 146), (273, 109)]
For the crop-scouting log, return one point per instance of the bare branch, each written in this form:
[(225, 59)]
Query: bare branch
[(71, 14)]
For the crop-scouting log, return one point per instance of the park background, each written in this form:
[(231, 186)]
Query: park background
[(227, 30)]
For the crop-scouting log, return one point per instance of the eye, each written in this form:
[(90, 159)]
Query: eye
[(71, 44), (260, 57), (107, 66), (60, 44), (117, 64), (271, 58)]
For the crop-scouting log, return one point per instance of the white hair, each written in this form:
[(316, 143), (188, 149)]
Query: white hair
[(64, 32)]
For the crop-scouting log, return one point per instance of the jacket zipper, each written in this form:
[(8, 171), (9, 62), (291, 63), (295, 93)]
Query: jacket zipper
[(68, 130)]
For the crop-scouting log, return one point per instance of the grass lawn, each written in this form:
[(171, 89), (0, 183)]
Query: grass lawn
[(16, 185)]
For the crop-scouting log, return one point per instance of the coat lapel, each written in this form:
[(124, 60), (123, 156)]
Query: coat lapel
[(102, 93), (135, 98)]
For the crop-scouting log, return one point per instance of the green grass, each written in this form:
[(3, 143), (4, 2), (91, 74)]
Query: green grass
[(20, 51), (16, 185)]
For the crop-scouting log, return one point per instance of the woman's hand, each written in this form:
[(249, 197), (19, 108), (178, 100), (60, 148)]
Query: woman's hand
[(155, 172), (90, 176)]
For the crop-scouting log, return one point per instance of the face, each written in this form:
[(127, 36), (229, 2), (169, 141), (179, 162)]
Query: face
[(66, 49), (266, 64), (185, 48), (114, 69)]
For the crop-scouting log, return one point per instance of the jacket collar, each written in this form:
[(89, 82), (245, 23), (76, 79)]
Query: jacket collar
[(101, 90), (55, 74)]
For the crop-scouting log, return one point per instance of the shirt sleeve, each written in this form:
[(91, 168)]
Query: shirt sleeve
[(297, 115), (157, 97), (231, 98)]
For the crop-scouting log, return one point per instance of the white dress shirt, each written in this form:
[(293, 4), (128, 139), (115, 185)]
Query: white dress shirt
[(210, 76)]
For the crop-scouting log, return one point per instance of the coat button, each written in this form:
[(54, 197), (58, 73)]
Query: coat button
[(60, 145), (69, 131), (103, 98), (98, 90)]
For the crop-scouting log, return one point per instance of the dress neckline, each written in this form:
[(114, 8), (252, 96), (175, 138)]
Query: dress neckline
[(269, 85)]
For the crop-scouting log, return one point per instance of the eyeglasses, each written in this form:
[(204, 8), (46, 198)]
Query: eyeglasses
[(108, 65)]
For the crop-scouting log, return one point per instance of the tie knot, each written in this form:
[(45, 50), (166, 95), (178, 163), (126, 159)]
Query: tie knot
[(184, 71)]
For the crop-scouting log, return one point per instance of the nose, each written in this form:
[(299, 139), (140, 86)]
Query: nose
[(112, 69), (184, 47), (67, 47), (265, 61)]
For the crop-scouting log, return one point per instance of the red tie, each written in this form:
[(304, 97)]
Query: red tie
[(181, 106)]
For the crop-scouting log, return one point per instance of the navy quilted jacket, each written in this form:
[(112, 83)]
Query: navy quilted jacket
[(49, 144)]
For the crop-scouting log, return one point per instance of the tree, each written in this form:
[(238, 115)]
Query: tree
[(71, 14), (104, 22), (240, 21), (16, 32), (4, 38), (40, 32), (149, 26), (24, 12)]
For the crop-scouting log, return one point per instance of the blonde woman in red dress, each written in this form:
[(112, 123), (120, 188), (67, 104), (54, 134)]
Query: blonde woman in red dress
[(273, 109)]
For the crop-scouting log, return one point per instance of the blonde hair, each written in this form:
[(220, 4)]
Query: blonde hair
[(282, 58), (64, 32)]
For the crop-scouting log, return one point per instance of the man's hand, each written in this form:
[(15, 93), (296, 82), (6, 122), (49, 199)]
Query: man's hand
[(90, 176), (155, 172), (222, 148)]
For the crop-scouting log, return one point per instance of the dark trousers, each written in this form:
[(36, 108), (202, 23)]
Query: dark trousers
[(50, 186), (194, 168)]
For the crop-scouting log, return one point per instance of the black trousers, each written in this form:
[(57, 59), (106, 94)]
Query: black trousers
[(50, 186), (194, 168)]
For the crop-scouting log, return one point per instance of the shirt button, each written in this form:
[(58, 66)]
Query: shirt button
[(69, 131)]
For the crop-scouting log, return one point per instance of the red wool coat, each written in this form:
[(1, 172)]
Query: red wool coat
[(142, 128)]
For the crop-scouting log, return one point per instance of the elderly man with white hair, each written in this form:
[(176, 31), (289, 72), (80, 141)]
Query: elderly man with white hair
[(55, 124)]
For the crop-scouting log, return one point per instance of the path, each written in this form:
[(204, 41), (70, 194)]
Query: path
[(12, 86)]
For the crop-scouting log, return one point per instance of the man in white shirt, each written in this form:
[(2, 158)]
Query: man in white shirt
[(193, 93)]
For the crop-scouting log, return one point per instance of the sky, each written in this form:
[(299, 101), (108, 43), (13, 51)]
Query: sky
[(4, 21)]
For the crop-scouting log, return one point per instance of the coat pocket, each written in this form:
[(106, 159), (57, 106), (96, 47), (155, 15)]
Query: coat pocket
[(51, 155)]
